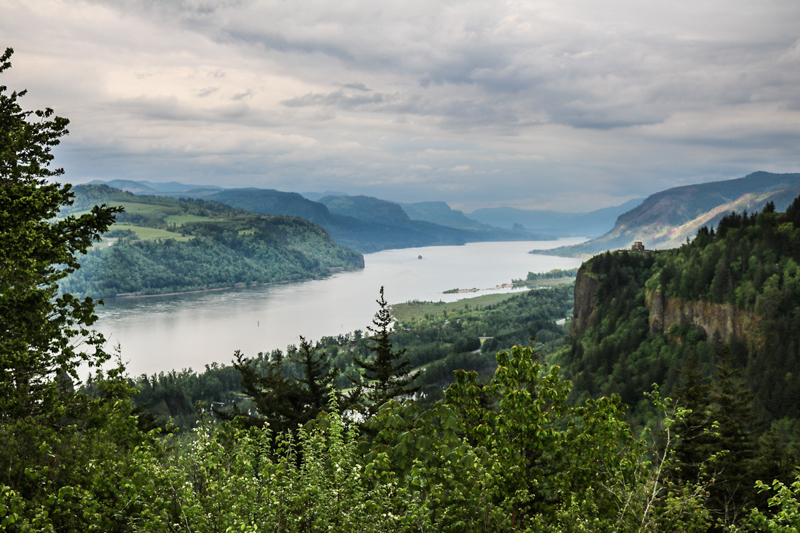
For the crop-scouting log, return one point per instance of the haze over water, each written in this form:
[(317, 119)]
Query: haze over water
[(191, 330)]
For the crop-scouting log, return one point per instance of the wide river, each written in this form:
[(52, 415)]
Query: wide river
[(190, 330)]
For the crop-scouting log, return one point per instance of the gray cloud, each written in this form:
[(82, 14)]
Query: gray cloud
[(616, 100)]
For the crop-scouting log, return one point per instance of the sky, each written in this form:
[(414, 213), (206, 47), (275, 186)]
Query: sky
[(566, 105)]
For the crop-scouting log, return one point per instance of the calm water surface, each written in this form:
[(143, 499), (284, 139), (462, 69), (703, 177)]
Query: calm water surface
[(191, 330)]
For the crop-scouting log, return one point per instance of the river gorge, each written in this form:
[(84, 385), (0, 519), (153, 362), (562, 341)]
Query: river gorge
[(190, 330)]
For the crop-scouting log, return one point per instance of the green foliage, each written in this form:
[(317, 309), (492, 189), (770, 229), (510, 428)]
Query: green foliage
[(750, 262), (37, 329), (230, 480), (784, 515), (283, 401), (387, 374), (70, 457), (220, 247), (552, 274)]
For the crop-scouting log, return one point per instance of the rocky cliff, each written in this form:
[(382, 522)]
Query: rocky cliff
[(585, 301), (725, 319), (666, 311)]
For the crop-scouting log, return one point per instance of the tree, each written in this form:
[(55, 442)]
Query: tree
[(388, 374), (39, 330), (738, 428), (282, 401), (695, 440), (69, 454), (279, 401)]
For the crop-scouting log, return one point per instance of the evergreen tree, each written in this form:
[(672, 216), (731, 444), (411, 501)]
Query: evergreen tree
[(279, 401), (283, 401), (37, 329), (738, 427), (388, 373), (696, 441), (69, 454), (318, 379)]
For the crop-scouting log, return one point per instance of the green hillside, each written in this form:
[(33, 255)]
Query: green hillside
[(162, 245)]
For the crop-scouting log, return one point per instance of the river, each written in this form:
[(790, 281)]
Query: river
[(191, 330)]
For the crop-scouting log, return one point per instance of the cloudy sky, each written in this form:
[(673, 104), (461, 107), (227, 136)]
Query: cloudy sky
[(571, 105)]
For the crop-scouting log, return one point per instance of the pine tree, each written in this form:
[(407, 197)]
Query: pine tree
[(283, 401), (388, 373), (318, 379), (695, 441), (278, 400), (738, 427)]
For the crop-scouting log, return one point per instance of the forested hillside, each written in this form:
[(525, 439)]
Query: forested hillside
[(640, 316), (160, 245)]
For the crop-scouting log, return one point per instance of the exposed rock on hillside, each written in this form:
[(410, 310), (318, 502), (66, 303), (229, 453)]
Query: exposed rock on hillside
[(666, 219), (726, 319), (585, 301)]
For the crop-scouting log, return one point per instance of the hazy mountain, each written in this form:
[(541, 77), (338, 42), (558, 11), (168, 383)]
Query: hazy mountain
[(666, 219), (369, 233), (272, 202), (367, 208), (554, 223), (315, 196), (150, 188), (363, 223), (441, 213)]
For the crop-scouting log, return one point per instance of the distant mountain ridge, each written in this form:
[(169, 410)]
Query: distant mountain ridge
[(666, 219), (443, 214), (151, 188), (555, 223), (369, 224), (363, 223)]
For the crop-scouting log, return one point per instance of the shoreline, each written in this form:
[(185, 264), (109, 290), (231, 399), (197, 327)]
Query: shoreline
[(242, 285)]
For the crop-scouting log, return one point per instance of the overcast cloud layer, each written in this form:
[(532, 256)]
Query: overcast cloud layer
[(565, 105)]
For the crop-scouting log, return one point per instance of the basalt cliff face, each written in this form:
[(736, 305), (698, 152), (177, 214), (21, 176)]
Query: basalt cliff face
[(666, 311), (725, 319), (585, 309)]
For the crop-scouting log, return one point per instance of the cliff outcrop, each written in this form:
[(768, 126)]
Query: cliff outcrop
[(666, 311), (725, 319), (585, 309)]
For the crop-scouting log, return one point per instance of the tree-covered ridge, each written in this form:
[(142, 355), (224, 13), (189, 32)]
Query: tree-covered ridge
[(750, 261), (197, 245)]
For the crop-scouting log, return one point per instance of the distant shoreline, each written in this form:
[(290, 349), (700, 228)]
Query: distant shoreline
[(128, 296)]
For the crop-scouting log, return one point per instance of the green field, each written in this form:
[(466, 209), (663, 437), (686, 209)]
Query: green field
[(134, 207), (146, 234), (544, 283), (179, 220), (414, 311)]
